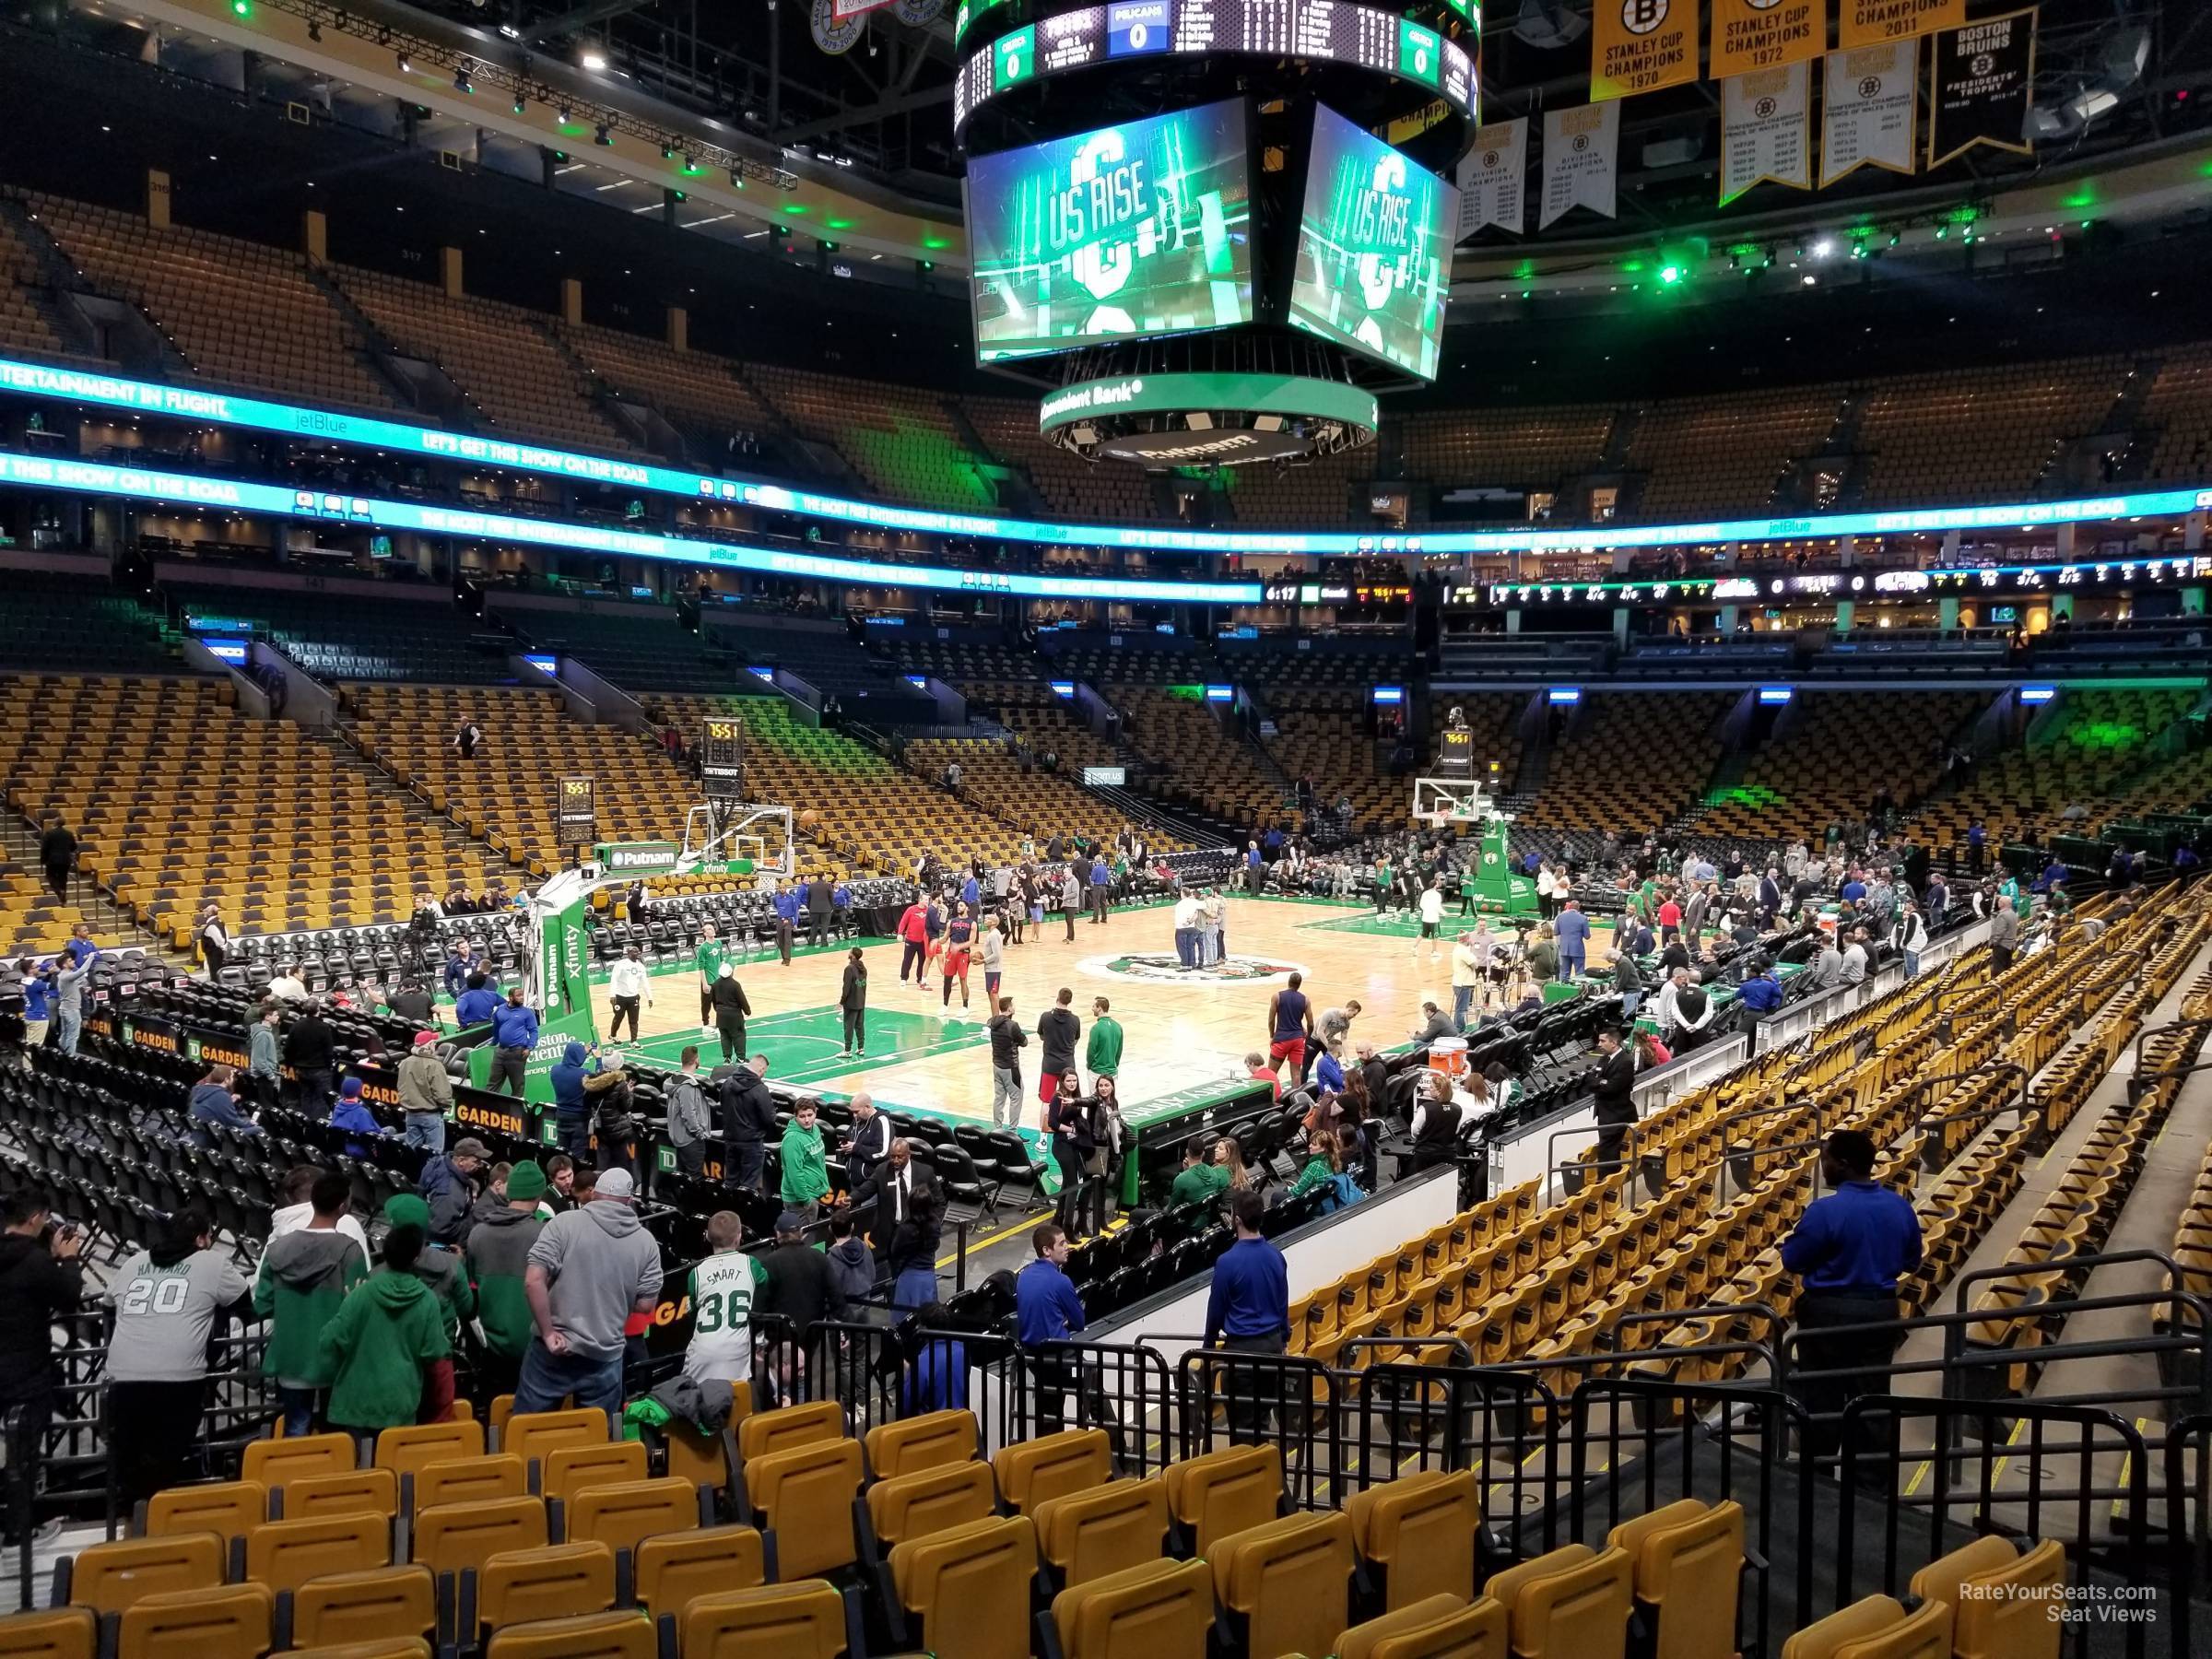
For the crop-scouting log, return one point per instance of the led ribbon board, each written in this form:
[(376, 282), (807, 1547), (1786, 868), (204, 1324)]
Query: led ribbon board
[(1360, 37), (87, 477), (1128, 232), (1161, 394), (221, 408)]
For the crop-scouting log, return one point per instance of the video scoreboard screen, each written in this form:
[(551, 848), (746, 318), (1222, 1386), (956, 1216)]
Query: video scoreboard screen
[(1134, 231), (1373, 248), (1367, 37)]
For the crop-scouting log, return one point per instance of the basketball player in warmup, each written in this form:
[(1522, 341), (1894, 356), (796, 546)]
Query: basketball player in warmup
[(959, 941), (708, 963)]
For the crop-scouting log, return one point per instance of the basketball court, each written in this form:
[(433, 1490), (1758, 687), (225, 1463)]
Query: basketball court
[(1181, 1027)]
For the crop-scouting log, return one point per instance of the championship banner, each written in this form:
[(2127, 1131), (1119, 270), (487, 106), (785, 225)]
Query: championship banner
[(1870, 108), (1878, 22), (1765, 34), (1582, 154), (1492, 179), (1765, 130), (1984, 74), (843, 10), (1641, 46)]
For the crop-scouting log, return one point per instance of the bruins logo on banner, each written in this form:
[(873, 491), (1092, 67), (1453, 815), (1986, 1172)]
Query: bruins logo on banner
[(1877, 22), (1765, 34), (1642, 45), (1984, 77)]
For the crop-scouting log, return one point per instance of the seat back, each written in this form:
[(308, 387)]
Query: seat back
[(229, 1622), (971, 1586), (1052, 1465), (558, 1581), (1438, 1627), (1420, 1529), (285, 1554), (455, 1537), (390, 1647), (1223, 1492), (534, 1436), (676, 1569), (801, 1619), (912, 1506), (471, 1481), (229, 1509), (592, 1636), (1162, 1609), (108, 1578), (1876, 1628), (409, 1450), (2003, 1602), (928, 1442), (57, 1634), (358, 1491), (377, 1606), (1574, 1600), (1289, 1578), (1688, 1564), (766, 1433), (807, 1495), (622, 1515), (1104, 1530), (569, 1470), (276, 1463)]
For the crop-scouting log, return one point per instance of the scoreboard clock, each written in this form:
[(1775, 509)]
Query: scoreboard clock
[(722, 760)]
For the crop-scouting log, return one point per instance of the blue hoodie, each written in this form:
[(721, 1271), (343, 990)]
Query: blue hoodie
[(514, 1026), (353, 1117), (567, 1079)]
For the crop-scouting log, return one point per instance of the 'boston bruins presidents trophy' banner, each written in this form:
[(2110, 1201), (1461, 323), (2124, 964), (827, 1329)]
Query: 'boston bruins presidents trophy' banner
[(1873, 22), (1766, 130), (1581, 158), (1765, 34), (1642, 45), (1984, 76), (1869, 109), (1492, 179)]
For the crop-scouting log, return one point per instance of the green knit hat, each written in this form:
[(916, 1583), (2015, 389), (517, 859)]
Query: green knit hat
[(525, 1181), (405, 1210)]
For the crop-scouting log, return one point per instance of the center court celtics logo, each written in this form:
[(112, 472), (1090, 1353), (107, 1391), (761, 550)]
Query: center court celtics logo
[(1164, 969)]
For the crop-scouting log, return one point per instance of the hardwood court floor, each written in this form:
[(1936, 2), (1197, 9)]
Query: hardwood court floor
[(1178, 1030)]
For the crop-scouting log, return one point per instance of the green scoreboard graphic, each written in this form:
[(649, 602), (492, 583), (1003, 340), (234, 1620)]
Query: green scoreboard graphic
[(1374, 248), (1138, 230)]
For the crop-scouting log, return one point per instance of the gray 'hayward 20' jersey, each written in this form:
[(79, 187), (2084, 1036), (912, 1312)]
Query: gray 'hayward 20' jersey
[(164, 1316)]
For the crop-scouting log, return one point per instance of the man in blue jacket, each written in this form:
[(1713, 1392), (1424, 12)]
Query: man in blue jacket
[(513, 1035), (1763, 991), (1573, 930), (212, 1102), (572, 1111), (1048, 1310), (1249, 1311), (449, 1187), (474, 1006), (786, 904), (1101, 879)]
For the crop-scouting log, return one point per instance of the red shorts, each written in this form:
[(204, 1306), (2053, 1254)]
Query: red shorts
[(956, 964), (1292, 1049), (1047, 1087)]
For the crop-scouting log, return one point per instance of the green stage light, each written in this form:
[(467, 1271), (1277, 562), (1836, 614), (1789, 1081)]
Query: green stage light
[(1670, 275), (242, 8)]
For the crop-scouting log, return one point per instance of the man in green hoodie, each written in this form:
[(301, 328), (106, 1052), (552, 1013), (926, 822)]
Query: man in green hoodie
[(304, 1277), (498, 1253), (385, 1335), (805, 1169), (1104, 1057)]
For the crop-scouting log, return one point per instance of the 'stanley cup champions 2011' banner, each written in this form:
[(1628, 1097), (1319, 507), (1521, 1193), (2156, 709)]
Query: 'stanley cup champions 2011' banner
[(1374, 245), (1137, 230), (1875, 23)]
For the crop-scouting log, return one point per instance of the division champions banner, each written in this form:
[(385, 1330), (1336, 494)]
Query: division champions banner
[(1765, 34), (1641, 46), (1582, 157), (1492, 175), (1766, 130), (1984, 73), (1870, 108)]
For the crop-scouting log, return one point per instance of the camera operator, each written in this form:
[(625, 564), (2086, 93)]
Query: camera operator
[(40, 1281)]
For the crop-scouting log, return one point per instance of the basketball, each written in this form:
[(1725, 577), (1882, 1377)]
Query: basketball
[(809, 818)]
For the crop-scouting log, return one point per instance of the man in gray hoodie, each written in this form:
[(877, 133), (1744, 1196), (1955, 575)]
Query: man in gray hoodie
[(589, 1270), (688, 1120)]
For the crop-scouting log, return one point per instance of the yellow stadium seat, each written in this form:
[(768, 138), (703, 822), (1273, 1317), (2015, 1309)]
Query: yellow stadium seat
[(1289, 1580), (2004, 1602), (1030, 1471), (913, 1506), (230, 1621), (801, 1619), (229, 1508), (622, 1515), (569, 1469), (1876, 1628), (108, 1578), (1438, 1627), (410, 1449), (1222, 1492), (766, 1433), (470, 1480), (276, 1463), (534, 1436), (285, 1554), (345, 1609), (57, 1633), (970, 1585), (1574, 1601), (369, 1492), (457, 1537), (393, 1647), (592, 1636), (913, 1444), (1689, 1562), (676, 1569), (1103, 1529), (805, 1494), (1160, 1610), (1421, 1530), (557, 1581)]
